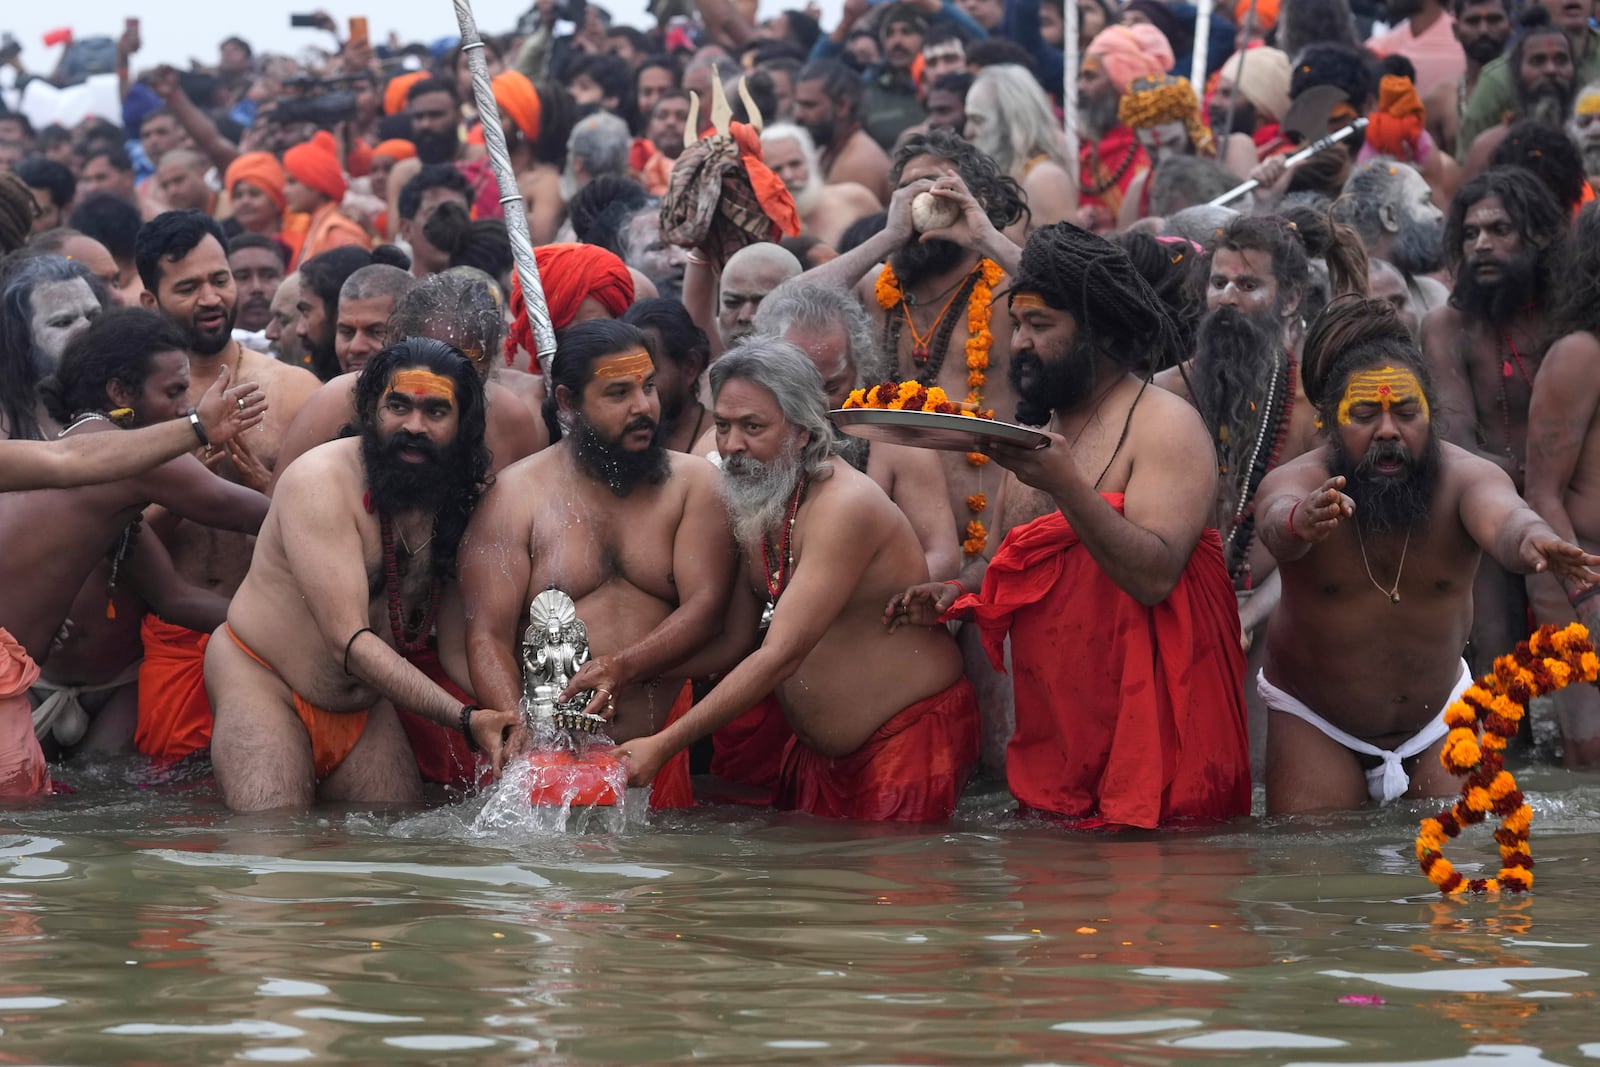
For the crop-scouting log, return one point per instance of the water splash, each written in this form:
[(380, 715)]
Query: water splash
[(552, 791)]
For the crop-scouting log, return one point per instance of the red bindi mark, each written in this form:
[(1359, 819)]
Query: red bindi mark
[(1384, 390)]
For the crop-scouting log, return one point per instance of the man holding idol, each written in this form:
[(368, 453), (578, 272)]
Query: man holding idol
[(1128, 676)]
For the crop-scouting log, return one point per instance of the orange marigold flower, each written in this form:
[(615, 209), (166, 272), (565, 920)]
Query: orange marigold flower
[(1478, 799), (1493, 742), (977, 459), (1459, 714), (1519, 821), (977, 502), (1589, 666), (1502, 785), (887, 289), (1441, 872)]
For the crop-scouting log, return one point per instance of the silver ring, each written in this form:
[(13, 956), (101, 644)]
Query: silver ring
[(240, 402)]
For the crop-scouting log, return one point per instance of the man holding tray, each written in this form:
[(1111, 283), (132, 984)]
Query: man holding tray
[(1128, 674)]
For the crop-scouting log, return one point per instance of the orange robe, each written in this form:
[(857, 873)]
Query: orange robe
[(22, 766), (912, 768), (174, 712), (1126, 715), (330, 228)]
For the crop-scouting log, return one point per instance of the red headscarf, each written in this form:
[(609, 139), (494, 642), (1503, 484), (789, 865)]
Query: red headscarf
[(569, 274)]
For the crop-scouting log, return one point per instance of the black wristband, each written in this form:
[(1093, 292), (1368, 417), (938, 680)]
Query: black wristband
[(352, 641), (199, 430), (466, 725)]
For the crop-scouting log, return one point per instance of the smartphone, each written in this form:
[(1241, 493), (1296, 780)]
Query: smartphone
[(358, 29), (302, 22)]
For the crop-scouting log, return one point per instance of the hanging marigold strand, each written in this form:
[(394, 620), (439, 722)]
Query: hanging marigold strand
[(1551, 659)]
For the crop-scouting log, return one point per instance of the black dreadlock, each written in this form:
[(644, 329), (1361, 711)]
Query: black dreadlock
[(1095, 282)]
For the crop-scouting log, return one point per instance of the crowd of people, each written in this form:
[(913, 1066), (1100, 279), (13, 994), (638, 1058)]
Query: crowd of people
[(282, 465)]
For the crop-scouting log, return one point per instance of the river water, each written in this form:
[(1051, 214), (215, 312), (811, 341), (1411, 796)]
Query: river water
[(150, 926)]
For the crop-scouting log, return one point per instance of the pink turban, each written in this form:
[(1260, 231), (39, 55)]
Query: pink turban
[(1128, 53)]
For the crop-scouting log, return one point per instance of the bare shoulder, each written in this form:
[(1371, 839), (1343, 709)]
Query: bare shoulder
[(325, 470), (1305, 472), (279, 380), (848, 496), (1460, 468), (1571, 357), (855, 195), (1173, 381), (1442, 323), (1163, 415), (335, 393), (693, 472)]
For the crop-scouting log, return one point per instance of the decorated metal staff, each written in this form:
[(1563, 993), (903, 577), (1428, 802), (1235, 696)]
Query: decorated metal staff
[(544, 336), (1295, 160)]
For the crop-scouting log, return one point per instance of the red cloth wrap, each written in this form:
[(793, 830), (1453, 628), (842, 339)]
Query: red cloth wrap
[(912, 768), (776, 200), (671, 788), (749, 750), (1099, 161), (568, 273), (174, 712), (442, 755), (1128, 714), (22, 767)]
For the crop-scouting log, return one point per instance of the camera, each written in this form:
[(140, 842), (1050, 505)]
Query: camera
[(323, 102)]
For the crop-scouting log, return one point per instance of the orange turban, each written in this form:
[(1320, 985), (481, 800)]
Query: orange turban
[(1266, 14), (570, 273), (394, 94), (1393, 129), (396, 148), (1128, 53), (315, 164), (260, 169), (518, 98)]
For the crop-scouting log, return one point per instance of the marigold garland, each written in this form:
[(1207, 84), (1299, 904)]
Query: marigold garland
[(1549, 660), (980, 313)]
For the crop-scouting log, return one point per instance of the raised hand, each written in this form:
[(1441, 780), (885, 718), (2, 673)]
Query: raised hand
[(226, 412), (1320, 513), (973, 228), (899, 224)]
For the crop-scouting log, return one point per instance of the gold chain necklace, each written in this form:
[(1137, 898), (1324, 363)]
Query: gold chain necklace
[(1394, 593)]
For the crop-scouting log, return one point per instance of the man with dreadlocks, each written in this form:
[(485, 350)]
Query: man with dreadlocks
[(361, 529), (1245, 382), (631, 531), (1501, 242), (1111, 557), (1377, 534)]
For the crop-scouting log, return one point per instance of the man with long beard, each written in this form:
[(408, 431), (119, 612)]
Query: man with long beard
[(1108, 554), (1495, 94), (360, 529), (1545, 78), (1377, 535), (826, 210), (1482, 28), (1111, 157), (1245, 382), (1484, 348), (1391, 206), (825, 548), (631, 531), (185, 271)]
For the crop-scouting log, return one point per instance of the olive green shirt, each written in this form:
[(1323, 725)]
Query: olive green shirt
[(1495, 95)]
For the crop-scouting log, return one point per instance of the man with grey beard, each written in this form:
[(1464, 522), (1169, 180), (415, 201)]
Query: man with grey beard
[(885, 724), (1391, 206)]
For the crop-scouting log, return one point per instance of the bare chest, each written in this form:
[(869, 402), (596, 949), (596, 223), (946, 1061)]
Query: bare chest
[(583, 543)]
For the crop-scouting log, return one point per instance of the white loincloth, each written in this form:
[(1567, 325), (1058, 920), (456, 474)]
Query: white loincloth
[(62, 713), (1388, 780)]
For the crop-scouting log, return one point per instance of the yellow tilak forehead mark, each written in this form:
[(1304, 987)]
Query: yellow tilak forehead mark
[(1384, 388), (635, 364)]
